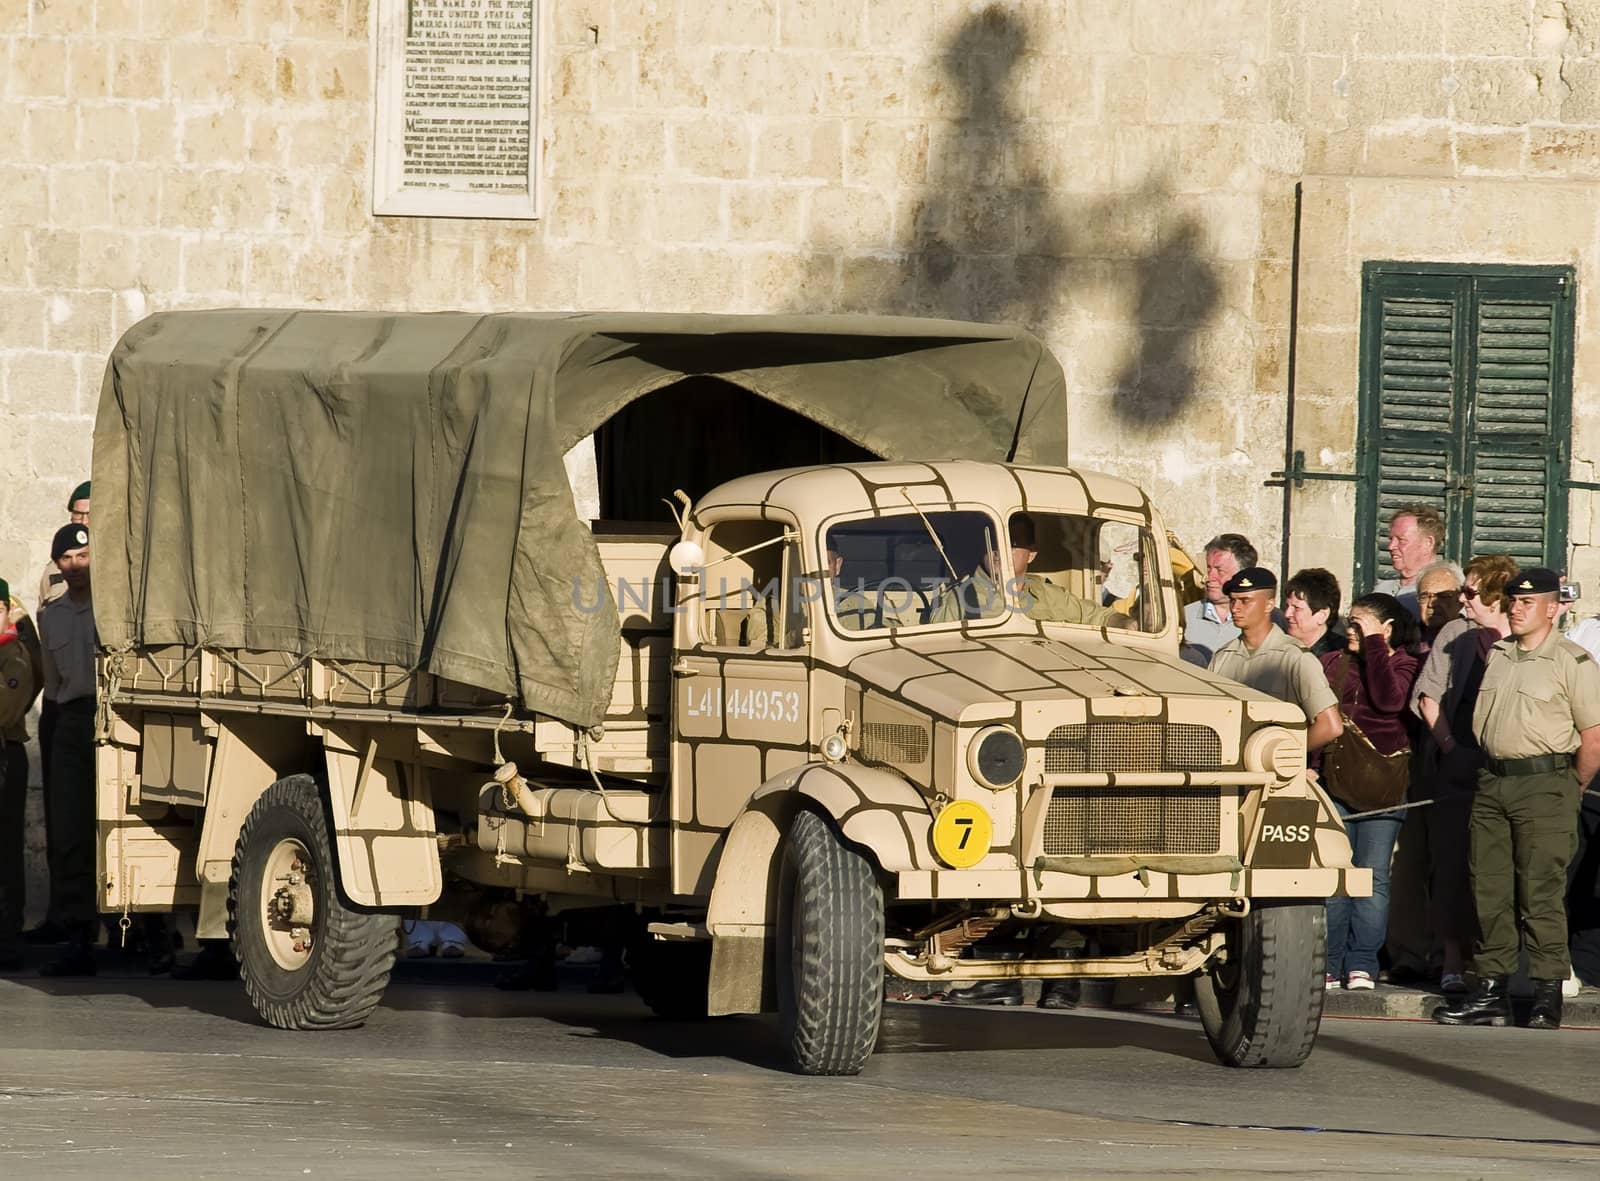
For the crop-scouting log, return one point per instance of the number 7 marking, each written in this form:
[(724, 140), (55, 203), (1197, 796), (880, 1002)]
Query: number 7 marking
[(964, 823)]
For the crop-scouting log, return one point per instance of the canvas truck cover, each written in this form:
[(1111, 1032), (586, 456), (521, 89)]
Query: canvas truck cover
[(385, 487)]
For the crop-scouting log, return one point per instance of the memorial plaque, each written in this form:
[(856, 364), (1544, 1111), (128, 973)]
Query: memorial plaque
[(458, 102)]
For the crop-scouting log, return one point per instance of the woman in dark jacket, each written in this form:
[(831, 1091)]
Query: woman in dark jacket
[(1372, 678)]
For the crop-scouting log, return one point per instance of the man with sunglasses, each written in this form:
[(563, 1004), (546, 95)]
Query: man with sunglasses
[(1538, 721)]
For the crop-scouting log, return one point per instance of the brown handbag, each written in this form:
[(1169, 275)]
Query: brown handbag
[(1357, 773)]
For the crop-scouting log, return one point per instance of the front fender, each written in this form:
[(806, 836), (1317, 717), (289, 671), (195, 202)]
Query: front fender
[(875, 809)]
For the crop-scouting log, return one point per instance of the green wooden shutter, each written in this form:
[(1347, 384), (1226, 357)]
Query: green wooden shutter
[(1415, 324), (1466, 401), (1517, 448)]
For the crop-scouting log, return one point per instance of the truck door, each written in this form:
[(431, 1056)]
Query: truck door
[(740, 677)]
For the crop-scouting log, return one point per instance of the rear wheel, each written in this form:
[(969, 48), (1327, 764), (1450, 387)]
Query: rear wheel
[(830, 950), (1261, 1004), (308, 960)]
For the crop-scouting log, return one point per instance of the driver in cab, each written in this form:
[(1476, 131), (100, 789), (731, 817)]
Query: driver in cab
[(1043, 601)]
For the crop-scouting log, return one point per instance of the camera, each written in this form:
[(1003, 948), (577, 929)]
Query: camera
[(1570, 591)]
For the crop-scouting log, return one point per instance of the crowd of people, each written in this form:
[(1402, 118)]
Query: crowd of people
[(1447, 713)]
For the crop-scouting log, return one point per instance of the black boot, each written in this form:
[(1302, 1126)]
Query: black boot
[(987, 992), (1060, 994), (1488, 1004), (1546, 1013)]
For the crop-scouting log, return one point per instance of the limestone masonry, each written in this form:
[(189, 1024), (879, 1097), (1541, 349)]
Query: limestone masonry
[(1118, 175)]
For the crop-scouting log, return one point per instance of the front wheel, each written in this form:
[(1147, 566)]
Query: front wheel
[(308, 960), (830, 950), (1261, 1005)]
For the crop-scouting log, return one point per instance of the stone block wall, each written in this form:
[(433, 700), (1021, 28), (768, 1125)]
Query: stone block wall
[(1116, 174)]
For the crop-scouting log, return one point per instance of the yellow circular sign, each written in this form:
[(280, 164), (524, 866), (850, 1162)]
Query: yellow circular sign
[(962, 834)]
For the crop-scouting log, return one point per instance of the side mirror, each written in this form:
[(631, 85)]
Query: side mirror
[(686, 557)]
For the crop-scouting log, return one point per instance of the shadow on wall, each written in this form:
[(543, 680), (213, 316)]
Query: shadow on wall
[(995, 238)]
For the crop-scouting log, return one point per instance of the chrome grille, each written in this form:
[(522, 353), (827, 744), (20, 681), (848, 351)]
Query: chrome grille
[(1104, 821), (892, 742), (1132, 746)]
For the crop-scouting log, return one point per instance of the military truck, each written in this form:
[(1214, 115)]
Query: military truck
[(364, 658)]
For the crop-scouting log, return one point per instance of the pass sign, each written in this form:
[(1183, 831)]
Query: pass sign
[(962, 834)]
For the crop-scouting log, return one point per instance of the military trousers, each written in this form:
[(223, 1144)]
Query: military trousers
[(74, 898), (1524, 829)]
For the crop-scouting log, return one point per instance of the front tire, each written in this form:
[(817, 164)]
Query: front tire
[(830, 950), (1262, 1006), (308, 960)]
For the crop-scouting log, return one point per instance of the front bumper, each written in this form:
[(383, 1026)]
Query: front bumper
[(1181, 890)]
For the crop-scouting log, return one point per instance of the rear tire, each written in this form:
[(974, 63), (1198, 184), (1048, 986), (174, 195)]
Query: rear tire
[(308, 960), (1263, 1005), (830, 950)]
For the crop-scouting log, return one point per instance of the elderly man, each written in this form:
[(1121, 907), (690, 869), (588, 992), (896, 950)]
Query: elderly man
[(1538, 722), (1207, 624), (1439, 596), (1272, 661), (1416, 537), (1412, 942)]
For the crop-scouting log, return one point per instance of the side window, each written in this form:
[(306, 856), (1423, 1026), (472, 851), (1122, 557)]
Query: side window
[(740, 583), (1090, 571)]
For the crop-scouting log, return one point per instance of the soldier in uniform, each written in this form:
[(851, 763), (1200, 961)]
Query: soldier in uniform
[(1272, 661), (1538, 722), (52, 585), (66, 628), (19, 684)]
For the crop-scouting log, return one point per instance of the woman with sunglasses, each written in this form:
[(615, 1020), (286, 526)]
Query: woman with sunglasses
[(1372, 678), (1446, 691)]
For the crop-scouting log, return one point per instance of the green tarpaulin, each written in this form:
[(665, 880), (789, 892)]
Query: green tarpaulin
[(368, 486)]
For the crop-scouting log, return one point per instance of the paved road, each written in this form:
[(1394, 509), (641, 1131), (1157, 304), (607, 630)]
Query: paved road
[(134, 1078)]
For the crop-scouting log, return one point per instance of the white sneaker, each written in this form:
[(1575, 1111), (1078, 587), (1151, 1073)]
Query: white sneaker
[(1571, 986), (1331, 981), (1357, 981)]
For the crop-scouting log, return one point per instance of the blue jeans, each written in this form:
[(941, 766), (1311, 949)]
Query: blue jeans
[(1357, 926)]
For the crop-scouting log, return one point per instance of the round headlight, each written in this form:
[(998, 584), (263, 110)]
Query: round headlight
[(834, 748), (995, 757), (1274, 749)]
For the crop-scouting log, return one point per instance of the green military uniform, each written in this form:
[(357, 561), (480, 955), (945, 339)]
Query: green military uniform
[(1529, 713)]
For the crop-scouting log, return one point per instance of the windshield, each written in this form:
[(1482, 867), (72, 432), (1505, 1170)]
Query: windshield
[(929, 569)]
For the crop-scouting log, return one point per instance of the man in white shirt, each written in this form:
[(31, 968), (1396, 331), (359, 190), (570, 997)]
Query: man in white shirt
[(1416, 538), (1208, 624)]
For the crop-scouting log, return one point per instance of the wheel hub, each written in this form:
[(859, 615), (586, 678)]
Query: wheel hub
[(289, 904)]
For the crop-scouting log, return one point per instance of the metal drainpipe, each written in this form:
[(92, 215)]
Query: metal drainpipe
[(1288, 420)]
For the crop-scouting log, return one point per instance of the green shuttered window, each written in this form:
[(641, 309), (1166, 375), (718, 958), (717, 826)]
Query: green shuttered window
[(1466, 404)]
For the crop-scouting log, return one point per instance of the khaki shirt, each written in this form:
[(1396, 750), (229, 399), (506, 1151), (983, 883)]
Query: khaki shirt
[(66, 628), (1536, 703), (1282, 667), (1042, 601)]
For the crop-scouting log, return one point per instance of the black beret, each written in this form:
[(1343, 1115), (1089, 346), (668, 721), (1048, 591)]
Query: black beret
[(1251, 578), (68, 537), (1534, 581), (81, 492)]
